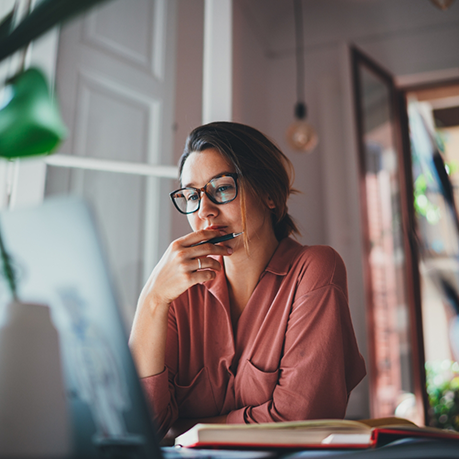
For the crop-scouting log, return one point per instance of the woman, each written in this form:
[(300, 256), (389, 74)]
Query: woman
[(254, 329)]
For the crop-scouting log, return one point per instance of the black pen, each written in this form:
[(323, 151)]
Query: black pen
[(216, 240)]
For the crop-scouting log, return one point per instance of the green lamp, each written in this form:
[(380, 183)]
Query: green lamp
[(30, 123)]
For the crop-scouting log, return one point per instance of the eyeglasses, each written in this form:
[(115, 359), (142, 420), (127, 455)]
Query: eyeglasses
[(220, 190)]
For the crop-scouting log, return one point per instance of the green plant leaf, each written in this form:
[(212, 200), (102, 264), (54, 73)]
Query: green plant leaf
[(43, 17)]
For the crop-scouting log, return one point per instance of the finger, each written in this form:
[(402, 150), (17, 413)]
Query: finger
[(206, 263), (204, 275), (205, 250)]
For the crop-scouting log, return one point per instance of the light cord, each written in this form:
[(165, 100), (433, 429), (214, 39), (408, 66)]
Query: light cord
[(299, 40)]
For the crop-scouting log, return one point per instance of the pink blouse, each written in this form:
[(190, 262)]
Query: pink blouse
[(293, 355)]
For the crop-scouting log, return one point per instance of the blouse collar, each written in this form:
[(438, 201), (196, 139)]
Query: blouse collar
[(279, 265)]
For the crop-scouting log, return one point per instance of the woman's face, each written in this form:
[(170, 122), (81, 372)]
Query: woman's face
[(198, 170)]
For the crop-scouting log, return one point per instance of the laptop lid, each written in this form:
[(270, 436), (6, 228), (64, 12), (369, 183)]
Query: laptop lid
[(57, 253)]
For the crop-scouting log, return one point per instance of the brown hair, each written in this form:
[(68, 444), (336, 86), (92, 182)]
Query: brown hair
[(260, 165)]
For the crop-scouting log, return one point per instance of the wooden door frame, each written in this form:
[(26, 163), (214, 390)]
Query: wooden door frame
[(401, 141)]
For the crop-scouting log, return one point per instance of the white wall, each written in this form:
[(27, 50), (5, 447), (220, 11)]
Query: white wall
[(188, 96), (405, 36)]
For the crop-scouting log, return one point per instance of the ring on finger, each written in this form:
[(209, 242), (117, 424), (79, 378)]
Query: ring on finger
[(199, 263)]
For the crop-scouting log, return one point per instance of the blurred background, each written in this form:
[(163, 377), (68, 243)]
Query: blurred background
[(133, 77)]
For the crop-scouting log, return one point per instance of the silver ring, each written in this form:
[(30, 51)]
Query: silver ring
[(199, 262)]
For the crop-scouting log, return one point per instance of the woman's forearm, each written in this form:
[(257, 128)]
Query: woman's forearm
[(148, 339)]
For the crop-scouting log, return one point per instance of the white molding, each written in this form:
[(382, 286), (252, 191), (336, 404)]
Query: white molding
[(28, 183), (103, 83), (159, 40), (155, 139), (153, 59), (218, 61), (92, 38), (87, 82), (82, 162), (153, 218)]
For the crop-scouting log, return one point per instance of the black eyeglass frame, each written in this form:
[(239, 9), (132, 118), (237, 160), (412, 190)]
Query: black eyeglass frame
[(234, 175)]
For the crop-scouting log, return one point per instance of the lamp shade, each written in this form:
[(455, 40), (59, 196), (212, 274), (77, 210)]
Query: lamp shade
[(30, 122)]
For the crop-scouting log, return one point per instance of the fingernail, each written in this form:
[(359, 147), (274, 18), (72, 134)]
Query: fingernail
[(230, 250)]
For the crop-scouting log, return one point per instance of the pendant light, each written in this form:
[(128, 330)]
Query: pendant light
[(301, 136)]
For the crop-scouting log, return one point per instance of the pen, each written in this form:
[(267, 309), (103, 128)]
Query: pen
[(217, 239)]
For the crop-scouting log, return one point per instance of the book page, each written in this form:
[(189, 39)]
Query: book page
[(347, 439)]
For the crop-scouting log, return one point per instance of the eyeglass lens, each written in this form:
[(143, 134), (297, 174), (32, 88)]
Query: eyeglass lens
[(219, 190)]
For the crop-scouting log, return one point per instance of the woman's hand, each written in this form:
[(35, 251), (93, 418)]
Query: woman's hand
[(183, 265)]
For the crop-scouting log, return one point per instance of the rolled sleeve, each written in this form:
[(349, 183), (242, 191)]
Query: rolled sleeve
[(157, 394)]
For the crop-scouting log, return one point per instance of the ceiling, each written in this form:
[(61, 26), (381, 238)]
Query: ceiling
[(332, 21)]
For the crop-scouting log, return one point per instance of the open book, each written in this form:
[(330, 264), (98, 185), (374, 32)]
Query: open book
[(329, 433)]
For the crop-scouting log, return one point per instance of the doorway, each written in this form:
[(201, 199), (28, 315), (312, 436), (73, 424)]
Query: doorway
[(435, 110), (396, 360), (409, 238)]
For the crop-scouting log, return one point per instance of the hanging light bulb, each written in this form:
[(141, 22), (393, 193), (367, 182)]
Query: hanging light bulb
[(301, 136)]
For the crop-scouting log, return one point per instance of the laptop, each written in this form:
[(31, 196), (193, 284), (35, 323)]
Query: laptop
[(57, 254)]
